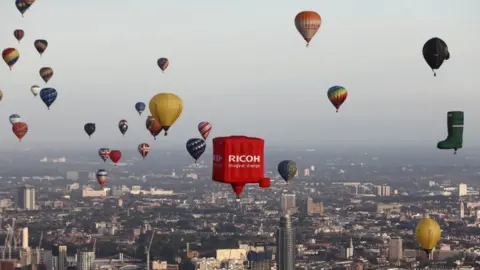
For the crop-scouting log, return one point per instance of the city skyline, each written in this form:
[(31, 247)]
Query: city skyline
[(243, 72)]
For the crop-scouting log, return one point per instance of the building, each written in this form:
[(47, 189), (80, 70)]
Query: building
[(286, 249), (347, 252), (72, 176), (306, 172), (260, 260), (383, 190), (462, 190), (62, 257), (395, 249), (90, 192), (314, 208), (85, 260), (462, 210), (287, 204), (25, 198)]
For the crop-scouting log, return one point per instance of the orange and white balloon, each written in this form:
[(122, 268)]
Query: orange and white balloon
[(307, 24)]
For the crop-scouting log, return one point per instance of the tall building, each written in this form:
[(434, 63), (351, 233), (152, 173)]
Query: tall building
[(306, 172), (286, 249), (462, 210), (395, 249), (85, 260), (25, 198), (62, 257), (287, 204), (347, 252), (462, 190), (383, 190), (314, 208)]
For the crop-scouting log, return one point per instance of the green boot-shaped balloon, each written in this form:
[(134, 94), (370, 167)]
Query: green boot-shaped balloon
[(454, 139)]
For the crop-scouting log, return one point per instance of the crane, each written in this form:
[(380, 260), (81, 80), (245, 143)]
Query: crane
[(147, 251)]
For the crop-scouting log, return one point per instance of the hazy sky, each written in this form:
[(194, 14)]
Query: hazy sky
[(242, 66)]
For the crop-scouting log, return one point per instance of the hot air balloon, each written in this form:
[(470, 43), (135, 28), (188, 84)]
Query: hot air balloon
[(196, 147), (48, 96), (428, 234), (162, 63), (144, 149), (20, 129), (435, 51), (22, 6), (104, 154), (123, 126), (35, 89), (140, 107), (10, 56), (41, 45), (46, 73), (287, 170), (153, 126), (115, 156), (19, 34), (307, 24), (337, 95), (89, 129), (204, 128), (14, 118), (1, 95), (166, 108), (102, 177)]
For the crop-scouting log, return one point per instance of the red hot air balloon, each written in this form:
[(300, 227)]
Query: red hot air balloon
[(239, 160), (19, 34), (153, 126), (205, 128), (20, 129), (115, 156)]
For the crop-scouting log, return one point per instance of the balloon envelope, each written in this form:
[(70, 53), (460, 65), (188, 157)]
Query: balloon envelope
[(427, 234), (140, 107), (115, 156), (14, 118), (166, 108), (196, 147), (163, 63), (102, 177), (35, 89), (19, 34), (48, 96), (307, 24), (337, 96), (10, 56), (287, 170), (20, 129), (204, 128), (104, 153), (89, 128), (144, 149), (40, 45)]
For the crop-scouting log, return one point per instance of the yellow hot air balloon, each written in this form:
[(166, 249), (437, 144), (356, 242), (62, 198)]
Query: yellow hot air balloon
[(166, 108), (427, 234)]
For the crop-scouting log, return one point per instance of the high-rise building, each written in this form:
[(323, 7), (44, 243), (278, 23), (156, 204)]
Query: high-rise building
[(314, 208), (347, 252), (286, 249), (25, 238), (62, 257), (306, 172), (383, 190), (85, 260), (395, 249), (25, 198), (462, 210), (287, 204), (462, 190)]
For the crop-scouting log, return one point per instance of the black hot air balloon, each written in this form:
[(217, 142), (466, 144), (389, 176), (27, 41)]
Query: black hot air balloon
[(89, 129), (123, 126), (435, 51), (196, 147)]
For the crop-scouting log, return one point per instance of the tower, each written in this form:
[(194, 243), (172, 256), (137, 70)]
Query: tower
[(286, 244)]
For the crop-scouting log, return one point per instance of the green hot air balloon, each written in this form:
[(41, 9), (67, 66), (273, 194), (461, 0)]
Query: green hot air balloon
[(287, 170)]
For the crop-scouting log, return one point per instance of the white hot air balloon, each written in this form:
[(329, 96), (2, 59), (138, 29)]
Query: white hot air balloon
[(35, 90), (14, 118)]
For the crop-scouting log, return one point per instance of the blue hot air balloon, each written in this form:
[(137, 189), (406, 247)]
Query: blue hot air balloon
[(140, 107), (48, 96), (196, 147)]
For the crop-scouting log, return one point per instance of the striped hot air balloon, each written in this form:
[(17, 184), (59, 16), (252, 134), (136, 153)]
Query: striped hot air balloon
[(10, 56), (308, 23), (204, 128), (337, 95), (46, 73)]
